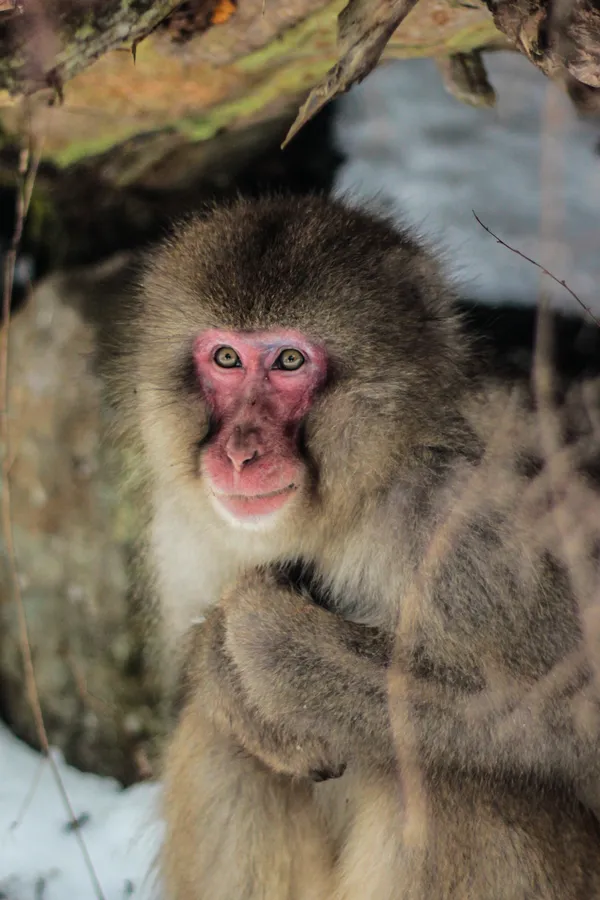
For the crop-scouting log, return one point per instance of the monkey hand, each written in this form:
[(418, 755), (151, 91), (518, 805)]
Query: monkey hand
[(216, 684), (311, 674)]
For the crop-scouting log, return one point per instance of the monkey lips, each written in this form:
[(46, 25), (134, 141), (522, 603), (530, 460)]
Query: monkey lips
[(242, 506)]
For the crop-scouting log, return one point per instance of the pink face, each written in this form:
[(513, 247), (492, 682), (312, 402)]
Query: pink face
[(259, 386)]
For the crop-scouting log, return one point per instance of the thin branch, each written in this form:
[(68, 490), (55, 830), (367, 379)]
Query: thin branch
[(27, 171), (539, 266), (30, 793)]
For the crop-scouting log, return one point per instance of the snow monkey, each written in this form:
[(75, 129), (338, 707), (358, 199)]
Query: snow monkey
[(387, 690)]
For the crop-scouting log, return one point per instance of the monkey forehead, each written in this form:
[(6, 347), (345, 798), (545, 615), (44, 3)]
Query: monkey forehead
[(305, 263)]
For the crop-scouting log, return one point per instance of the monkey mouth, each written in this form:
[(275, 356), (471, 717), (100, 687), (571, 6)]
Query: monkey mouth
[(249, 506)]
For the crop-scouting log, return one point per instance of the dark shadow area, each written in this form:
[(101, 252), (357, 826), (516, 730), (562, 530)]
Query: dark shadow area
[(83, 214), (505, 340)]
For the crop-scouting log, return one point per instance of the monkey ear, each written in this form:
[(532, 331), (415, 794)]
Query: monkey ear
[(418, 278)]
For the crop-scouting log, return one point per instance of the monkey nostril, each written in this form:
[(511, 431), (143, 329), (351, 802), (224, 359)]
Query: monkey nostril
[(239, 458)]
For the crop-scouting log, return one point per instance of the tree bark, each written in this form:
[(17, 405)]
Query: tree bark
[(210, 66), (115, 70)]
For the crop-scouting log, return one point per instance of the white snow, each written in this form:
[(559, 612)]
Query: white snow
[(434, 160), (40, 858)]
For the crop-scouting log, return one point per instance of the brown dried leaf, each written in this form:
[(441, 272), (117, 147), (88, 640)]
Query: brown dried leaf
[(577, 28), (222, 12), (364, 28), (362, 16), (465, 77), (558, 36)]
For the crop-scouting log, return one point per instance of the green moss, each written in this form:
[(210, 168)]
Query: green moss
[(289, 80), (473, 38), (84, 31), (288, 66), (78, 150), (300, 73), (320, 24)]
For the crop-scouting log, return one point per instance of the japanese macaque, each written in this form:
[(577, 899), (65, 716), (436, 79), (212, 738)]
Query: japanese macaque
[(363, 551)]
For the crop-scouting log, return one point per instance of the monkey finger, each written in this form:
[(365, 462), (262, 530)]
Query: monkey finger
[(300, 764), (327, 774)]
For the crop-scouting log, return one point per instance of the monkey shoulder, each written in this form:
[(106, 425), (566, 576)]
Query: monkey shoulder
[(505, 519)]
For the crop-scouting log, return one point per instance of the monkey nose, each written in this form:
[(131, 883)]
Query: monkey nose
[(241, 449)]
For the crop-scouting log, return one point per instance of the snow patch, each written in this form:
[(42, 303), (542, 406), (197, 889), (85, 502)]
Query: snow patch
[(432, 160), (40, 857)]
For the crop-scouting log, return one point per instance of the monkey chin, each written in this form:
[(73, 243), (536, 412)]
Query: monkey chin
[(257, 512)]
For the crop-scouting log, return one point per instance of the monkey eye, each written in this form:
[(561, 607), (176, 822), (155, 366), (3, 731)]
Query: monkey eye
[(289, 359), (227, 358)]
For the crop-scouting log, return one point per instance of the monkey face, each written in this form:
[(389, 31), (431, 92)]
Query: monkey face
[(283, 352), (258, 386)]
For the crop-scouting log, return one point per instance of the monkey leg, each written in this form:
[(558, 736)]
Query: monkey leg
[(372, 860), (462, 842), (235, 831)]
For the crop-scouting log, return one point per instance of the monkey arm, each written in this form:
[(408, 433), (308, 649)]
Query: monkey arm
[(214, 684), (495, 673), (320, 676), (309, 671), (548, 729), (331, 683)]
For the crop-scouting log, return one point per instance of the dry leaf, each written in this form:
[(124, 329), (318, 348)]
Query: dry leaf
[(11, 7), (465, 77), (364, 28), (222, 12), (560, 37)]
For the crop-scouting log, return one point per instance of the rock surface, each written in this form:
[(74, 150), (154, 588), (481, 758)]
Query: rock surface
[(73, 534)]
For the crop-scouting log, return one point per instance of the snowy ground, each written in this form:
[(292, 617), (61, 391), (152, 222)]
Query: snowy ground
[(436, 160), (40, 858)]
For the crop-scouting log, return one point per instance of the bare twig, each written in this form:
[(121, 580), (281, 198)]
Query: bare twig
[(569, 517), (364, 28), (27, 170), (30, 794), (82, 688), (542, 268)]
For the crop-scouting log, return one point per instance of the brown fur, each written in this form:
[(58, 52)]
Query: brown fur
[(406, 722)]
